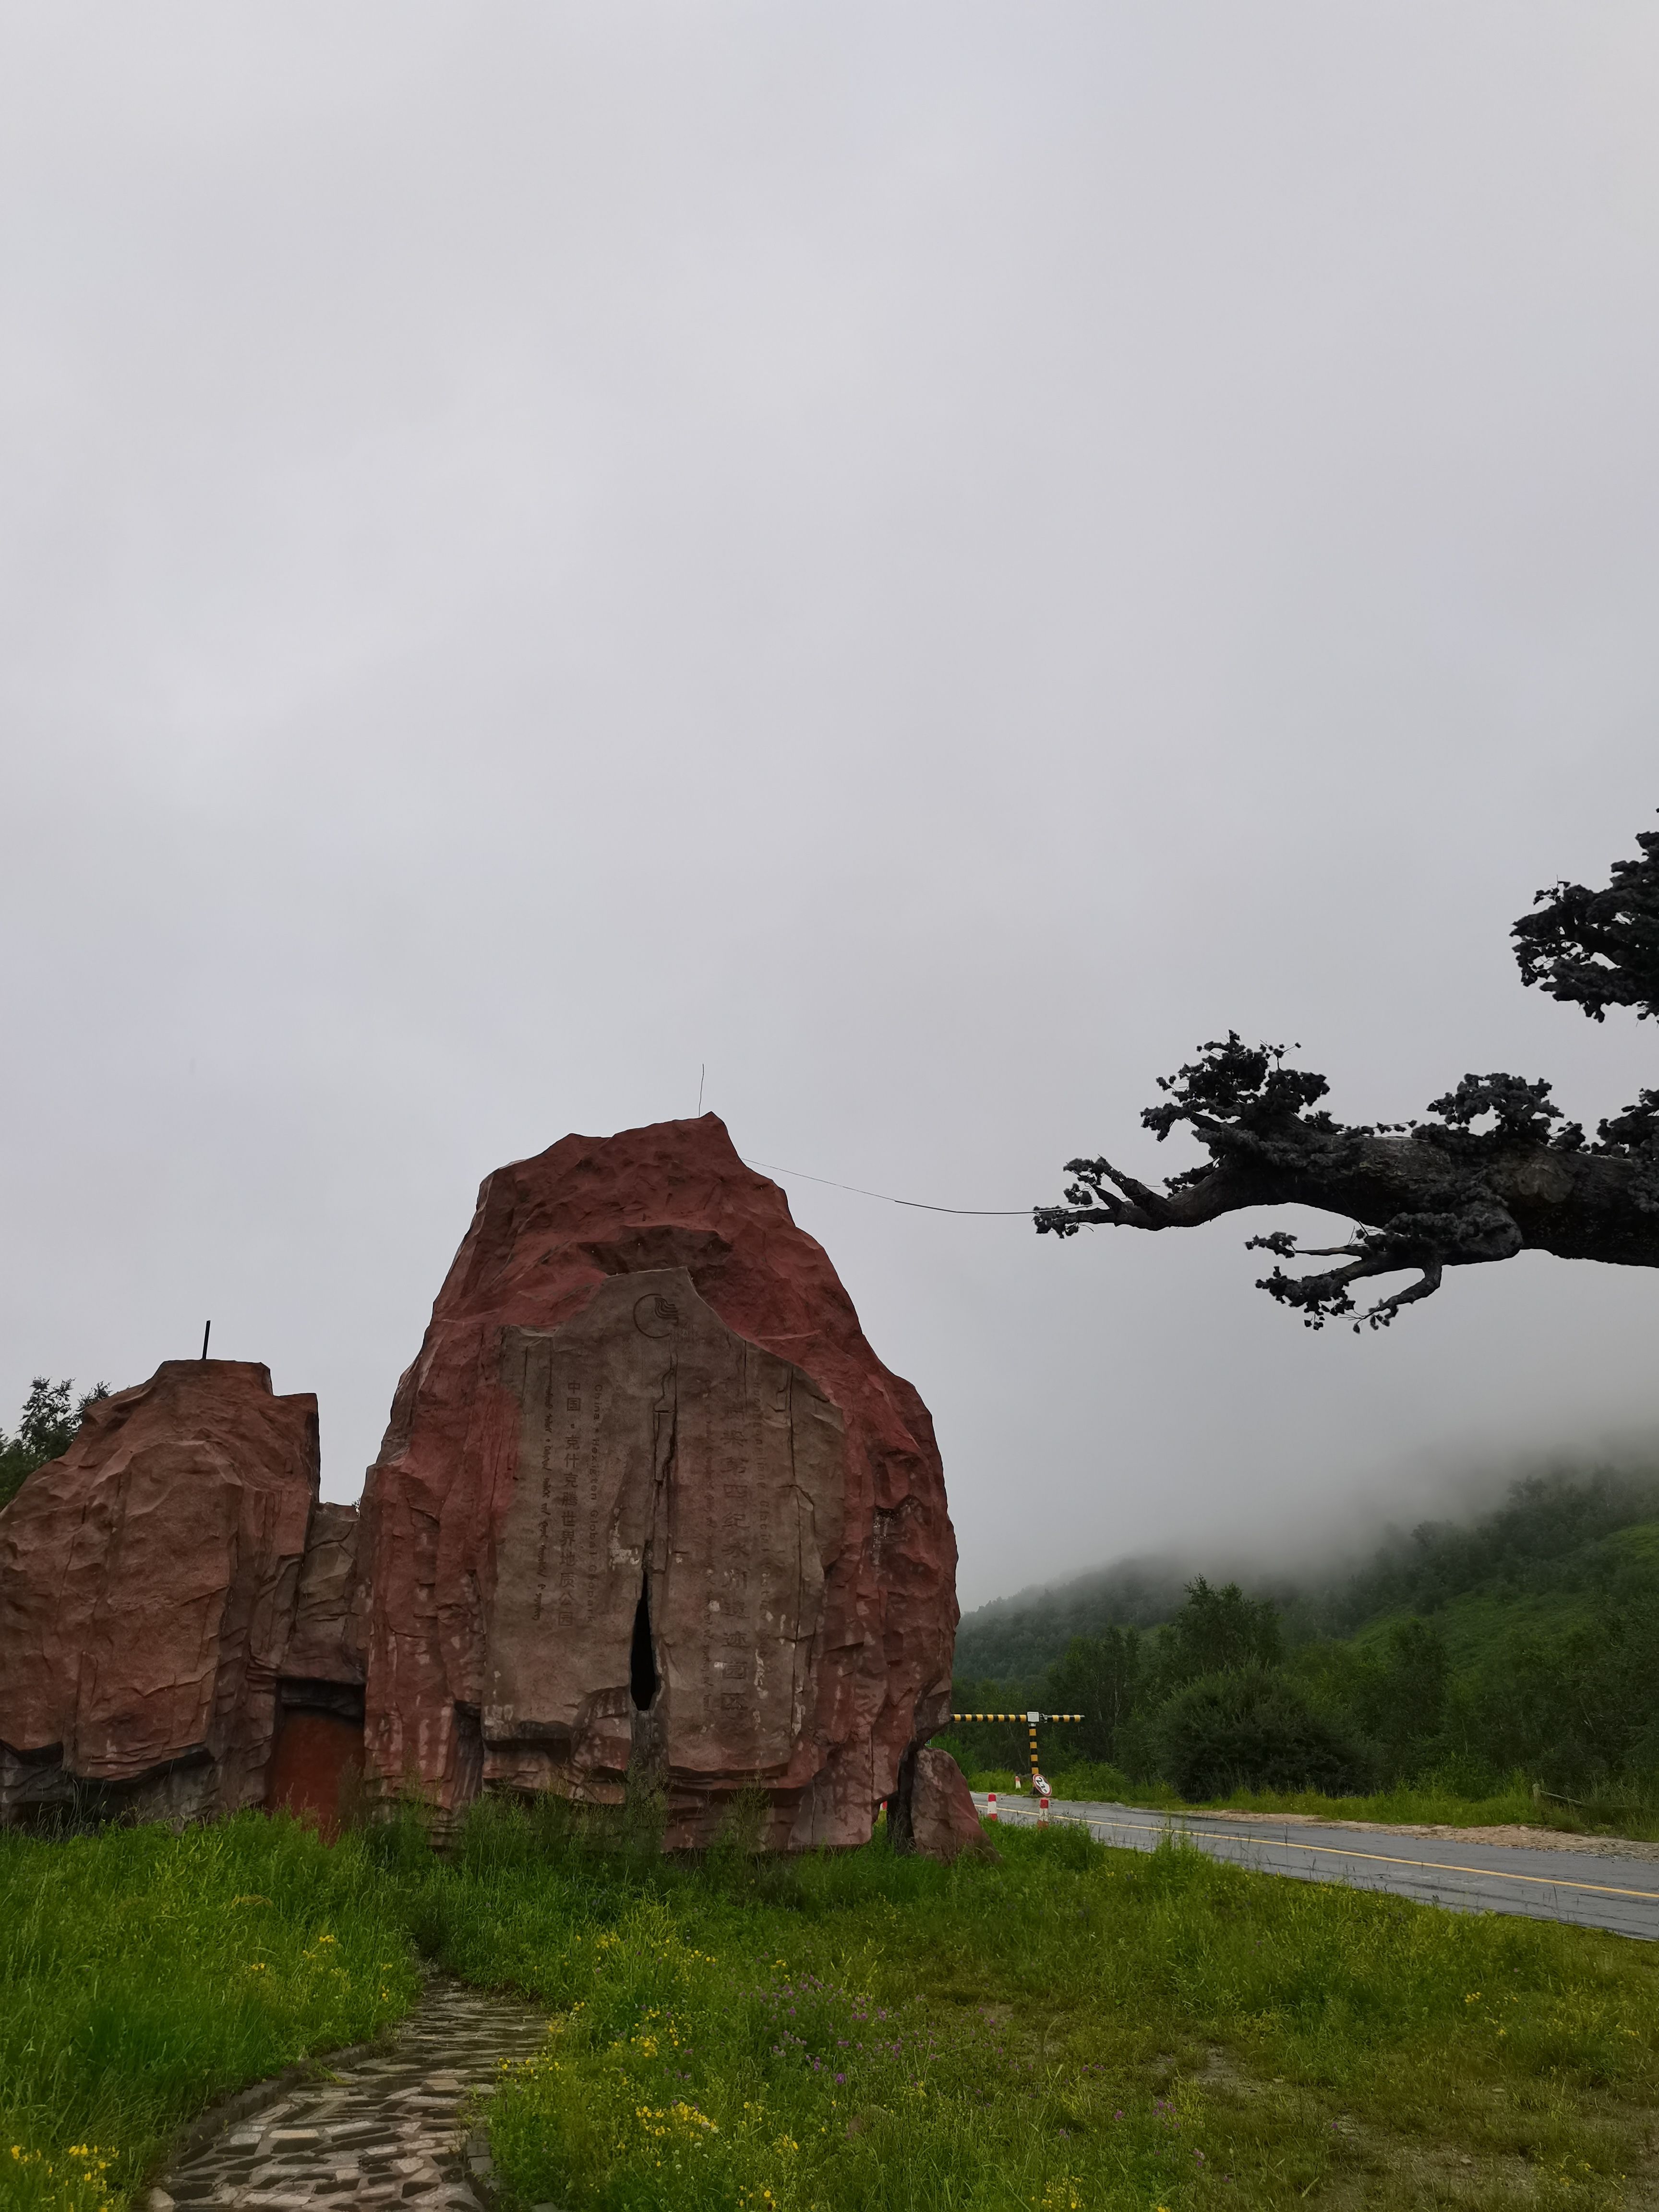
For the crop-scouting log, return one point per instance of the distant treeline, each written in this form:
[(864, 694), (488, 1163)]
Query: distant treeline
[(1527, 1641)]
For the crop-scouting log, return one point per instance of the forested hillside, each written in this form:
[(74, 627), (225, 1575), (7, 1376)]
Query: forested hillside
[(1529, 1544), (1526, 1641)]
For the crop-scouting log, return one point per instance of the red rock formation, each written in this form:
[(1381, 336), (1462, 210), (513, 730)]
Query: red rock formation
[(325, 1642), (317, 1755), (935, 1813), (147, 1580), (317, 1758), (685, 1519)]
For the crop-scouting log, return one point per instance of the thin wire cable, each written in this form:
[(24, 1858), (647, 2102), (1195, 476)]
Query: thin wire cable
[(919, 1205)]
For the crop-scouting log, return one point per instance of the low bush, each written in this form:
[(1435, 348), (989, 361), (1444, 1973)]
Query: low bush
[(1252, 1730)]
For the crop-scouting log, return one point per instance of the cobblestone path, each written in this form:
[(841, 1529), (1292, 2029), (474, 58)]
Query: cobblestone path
[(387, 2130)]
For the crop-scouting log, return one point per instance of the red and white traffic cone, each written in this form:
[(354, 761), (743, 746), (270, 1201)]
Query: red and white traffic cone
[(991, 1809)]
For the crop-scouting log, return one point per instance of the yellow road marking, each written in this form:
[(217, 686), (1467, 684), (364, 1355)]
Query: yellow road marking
[(1385, 1858)]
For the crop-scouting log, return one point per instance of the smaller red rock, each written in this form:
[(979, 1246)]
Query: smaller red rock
[(937, 1815)]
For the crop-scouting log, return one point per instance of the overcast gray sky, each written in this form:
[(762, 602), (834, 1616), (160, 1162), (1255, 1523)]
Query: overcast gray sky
[(930, 558)]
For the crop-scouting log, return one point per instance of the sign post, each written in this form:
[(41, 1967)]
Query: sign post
[(1031, 1720)]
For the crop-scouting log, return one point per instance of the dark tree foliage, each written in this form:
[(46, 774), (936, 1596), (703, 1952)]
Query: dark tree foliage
[(1252, 1728), (1217, 1632), (1598, 949), (1102, 1677), (45, 1429), (1496, 1170), (1389, 1694), (1119, 1679), (1575, 1706)]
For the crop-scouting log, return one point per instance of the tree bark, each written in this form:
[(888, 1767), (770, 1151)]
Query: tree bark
[(1428, 1199), (1492, 1177)]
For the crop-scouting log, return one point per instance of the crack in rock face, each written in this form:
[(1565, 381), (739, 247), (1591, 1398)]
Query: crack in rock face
[(678, 1504), (383, 2127)]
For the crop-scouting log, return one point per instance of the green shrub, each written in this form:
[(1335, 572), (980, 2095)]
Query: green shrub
[(1252, 1728)]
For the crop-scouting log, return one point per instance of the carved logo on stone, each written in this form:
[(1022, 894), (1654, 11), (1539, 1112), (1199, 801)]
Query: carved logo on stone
[(656, 1316)]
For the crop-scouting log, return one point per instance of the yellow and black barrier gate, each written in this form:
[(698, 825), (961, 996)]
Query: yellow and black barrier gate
[(1031, 1720)]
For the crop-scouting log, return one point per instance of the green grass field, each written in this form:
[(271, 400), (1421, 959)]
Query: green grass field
[(1070, 2029), (142, 1974)]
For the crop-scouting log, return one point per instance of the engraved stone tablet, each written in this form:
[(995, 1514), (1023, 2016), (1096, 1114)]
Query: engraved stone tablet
[(674, 1482)]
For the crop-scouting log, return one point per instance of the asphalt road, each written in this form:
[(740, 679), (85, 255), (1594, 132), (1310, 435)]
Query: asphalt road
[(1587, 1889)]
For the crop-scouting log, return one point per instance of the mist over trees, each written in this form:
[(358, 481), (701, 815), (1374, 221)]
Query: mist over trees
[(1204, 1703), (1527, 1641), (1496, 1168)]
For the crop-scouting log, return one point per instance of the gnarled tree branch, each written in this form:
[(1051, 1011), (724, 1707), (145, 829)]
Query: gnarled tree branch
[(1495, 1171)]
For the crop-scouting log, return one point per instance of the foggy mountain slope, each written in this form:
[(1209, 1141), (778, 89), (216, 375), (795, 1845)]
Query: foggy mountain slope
[(1013, 1637), (1559, 1534)]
